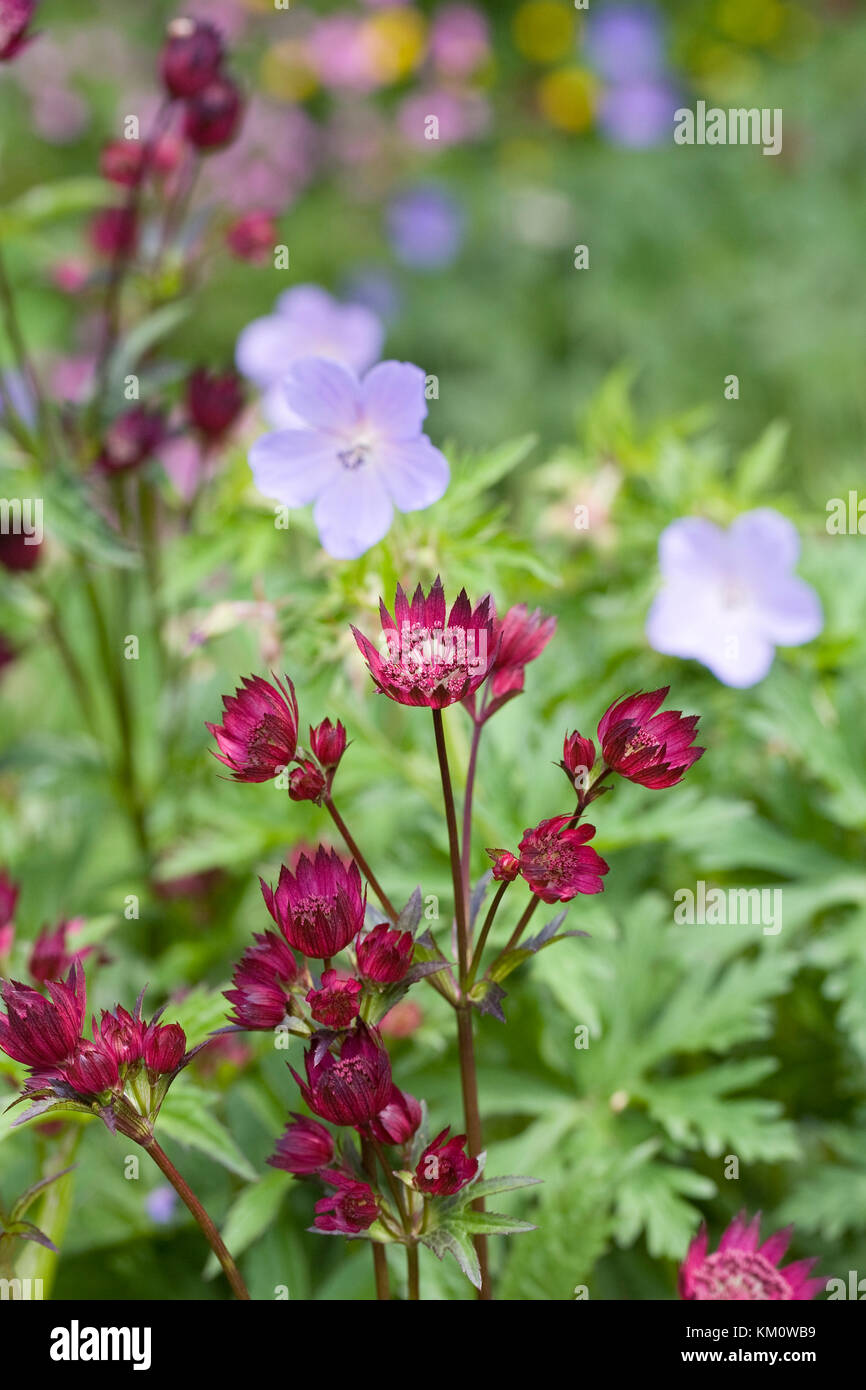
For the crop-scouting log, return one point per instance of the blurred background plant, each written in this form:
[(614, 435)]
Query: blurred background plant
[(582, 411)]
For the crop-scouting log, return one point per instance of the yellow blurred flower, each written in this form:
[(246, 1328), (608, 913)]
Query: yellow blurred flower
[(285, 73), (397, 40), (567, 98), (544, 31), (750, 21)]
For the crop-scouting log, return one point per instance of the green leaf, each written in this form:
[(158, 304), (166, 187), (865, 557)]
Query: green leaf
[(186, 1117), (48, 202), (256, 1209)]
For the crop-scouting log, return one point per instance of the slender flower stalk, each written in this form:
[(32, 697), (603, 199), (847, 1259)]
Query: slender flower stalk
[(208, 1229), (360, 860), (380, 1259)]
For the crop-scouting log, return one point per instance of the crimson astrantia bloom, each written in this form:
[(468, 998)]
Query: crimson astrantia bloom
[(214, 115), (15, 18), (399, 1120), (351, 1208), (742, 1270), (214, 401), (384, 954), (190, 57), (259, 733), (122, 162), (338, 1001), (131, 438), (328, 743), (557, 863), (351, 1088), (430, 660), (518, 638), (164, 1047), (50, 955), (506, 866), (253, 236), (43, 1032), (320, 907), (8, 898), (121, 1033), (443, 1167), (307, 782), (114, 231), (654, 750), (578, 755), (19, 552), (92, 1071), (263, 981), (303, 1148)]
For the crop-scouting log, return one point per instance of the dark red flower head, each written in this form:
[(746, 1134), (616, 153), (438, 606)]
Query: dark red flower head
[(320, 907), (742, 1270), (262, 982), (506, 866), (307, 782), (92, 1070), (337, 1003), (351, 1209), (131, 439), (191, 57), (50, 956), (253, 236), (122, 162), (8, 898), (43, 1032), (303, 1148), (214, 401), (259, 733), (18, 551), (557, 863), (114, 231), (15, 17), (654, 750), (164, 1047), (428, 659), (352, 1087), (385, 954), (328, 743), (578, 758), (443, 1167), (214, 115), (122, 1034), (518, 638), (399, 1120)]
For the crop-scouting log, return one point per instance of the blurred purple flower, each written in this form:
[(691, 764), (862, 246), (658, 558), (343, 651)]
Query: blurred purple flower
[(730, 597), (269, 163), (377, 290), (341, 54), (160, 1204), (625, 43), (425, 227), (459, 39), (17, 391), (638, 114), (360, 454), (308, 322)]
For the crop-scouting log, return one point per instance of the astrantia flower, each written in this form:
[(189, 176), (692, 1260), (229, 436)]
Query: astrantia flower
[(429, 660), (443, 1167), (399, 1120), (351, 1209), (262, 984), (15, 17), (131, 438), (164, 1047), (320, 907), (730, 597), (214, 401), (352, 1087), (384, 955), (253, 236), (8, 898), (742, 1270), (506, 866), (307, 322), (303, 1148), (328, 743), (214, 115), (50, 955), (191, 57), (358, 453), (259, 733), (43, 1032), (578, 756), (654, 750), (518, 638), (114, 231), (557, 863), (337, 1003), (307, 782), (92, 1071)]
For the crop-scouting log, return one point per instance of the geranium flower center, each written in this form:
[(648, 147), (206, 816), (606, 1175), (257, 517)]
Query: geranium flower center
[(355, 456), (740, 1275)]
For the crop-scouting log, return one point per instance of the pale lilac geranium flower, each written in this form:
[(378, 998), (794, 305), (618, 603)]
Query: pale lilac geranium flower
[(361, 451), (307, 322), (730, 597)]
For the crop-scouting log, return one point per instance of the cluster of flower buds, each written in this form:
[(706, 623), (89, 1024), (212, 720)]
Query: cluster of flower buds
[(191, 64), (122, 1073)]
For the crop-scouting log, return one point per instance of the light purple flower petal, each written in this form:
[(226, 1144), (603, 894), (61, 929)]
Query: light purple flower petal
[(393, 399), (692, 546), (308, 322), (260, 351), (324, 393), (739, 658), (353, 513), (415, 473), (764, 541), (791, 611), (293, 466)]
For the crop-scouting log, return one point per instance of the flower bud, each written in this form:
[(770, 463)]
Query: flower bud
[(191, 57), (337, 1002), (304, 1147), (214, 401), (252, 237), (213, 117), (164, 1047), (506, 866), (307, 783), (385, 954)]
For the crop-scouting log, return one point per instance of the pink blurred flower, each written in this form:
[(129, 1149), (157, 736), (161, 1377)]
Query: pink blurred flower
[(460, 116), (459, 39)]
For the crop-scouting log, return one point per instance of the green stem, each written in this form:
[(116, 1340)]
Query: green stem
[(412, 1272), (485, 932), (360, 860), (466, 853), (209, 1230), (380, 1261)]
